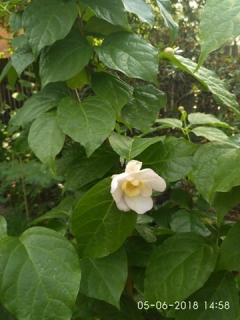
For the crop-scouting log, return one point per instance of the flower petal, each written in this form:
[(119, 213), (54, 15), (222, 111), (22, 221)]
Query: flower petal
[(146, 191), (118, 179), (133, 166), (139, 204), (152, 179), (117, 194), (116, 187), (123, 206)]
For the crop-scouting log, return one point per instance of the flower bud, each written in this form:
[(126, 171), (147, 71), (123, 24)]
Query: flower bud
[(169, 50)]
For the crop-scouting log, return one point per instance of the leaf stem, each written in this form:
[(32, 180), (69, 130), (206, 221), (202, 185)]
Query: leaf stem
[(24, 189), (77, 94), (129, 285)]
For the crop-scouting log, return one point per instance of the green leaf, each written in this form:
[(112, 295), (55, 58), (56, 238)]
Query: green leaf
[(139, 251), (111, 88), (21, 41), (169, 123), (142, 110), (171, 159), (15, 21), (141, 9), (139, 56), (146, 233), (79, 80), (185, 221), (186, 261), (98, 26), (182, 198), (62, 211), (105, 278), (65, 58), (203, 118), (21, 143), (204, 164), (45, 138), (217, 299), (3, 226), (221, 18), (208, 78), (164, 7), (99, 227), (45, 22), (211, 134), (39, 275), (129, 148), (229, 257), (88, 122), (40, 103), (80, 170), (8, 67), (222, 202), (22, 58), (112, 11), (227, 173), (90, 308), (12, 76)]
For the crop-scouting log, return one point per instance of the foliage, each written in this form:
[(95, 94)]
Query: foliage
[(98, 107)]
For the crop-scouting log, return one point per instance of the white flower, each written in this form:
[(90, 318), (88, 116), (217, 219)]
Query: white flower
[(132, 189)]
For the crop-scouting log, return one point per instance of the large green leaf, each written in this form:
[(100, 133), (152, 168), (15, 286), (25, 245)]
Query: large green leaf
[(139, 251), (39, 275), (88, 122), (141, 9), (221, 18), (99, 227), (45, 138), (130, 54), (227, 173), (111, 88), (142, 110), (207, 119), (45, 22), (204, 164), (98, 26), (222, 202), (169, 123), (208, 78), (187, 221), (65, 58), (171, 159), (39, 103), (165, 7), (80, 170), (105, 278), (22, 58), (211, 134), (217, 299), (178, 267), (112, 11), (229, 257), (129, 148)]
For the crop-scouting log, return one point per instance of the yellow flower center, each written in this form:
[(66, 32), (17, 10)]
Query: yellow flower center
[(132, 188)]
